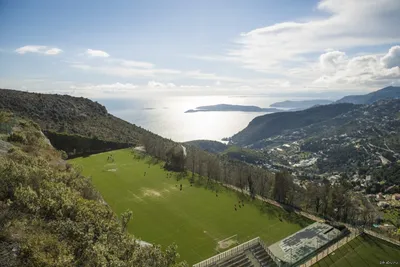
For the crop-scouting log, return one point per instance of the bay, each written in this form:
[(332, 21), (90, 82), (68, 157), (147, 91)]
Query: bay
[(165, 115)]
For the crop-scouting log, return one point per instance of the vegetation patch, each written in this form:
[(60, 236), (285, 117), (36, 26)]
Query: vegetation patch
[(51, 215)]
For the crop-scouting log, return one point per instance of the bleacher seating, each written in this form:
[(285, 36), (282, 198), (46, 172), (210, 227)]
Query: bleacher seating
[(262, 256), (239, 260), (242, 260)]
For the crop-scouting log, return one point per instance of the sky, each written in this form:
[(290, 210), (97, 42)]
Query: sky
[(122, 49)]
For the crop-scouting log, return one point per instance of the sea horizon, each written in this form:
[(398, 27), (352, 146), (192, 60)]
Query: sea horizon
[(166, 116)]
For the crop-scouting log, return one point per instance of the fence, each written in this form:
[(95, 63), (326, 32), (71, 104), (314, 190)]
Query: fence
[(330, 249), (229, 253)]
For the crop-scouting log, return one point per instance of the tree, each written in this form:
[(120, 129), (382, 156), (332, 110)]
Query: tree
[(125, 218), (326, 197), (281, 186), (262, 185), (176, 158), (251, 186)]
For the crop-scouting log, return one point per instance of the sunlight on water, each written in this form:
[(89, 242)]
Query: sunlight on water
[(166, 117)]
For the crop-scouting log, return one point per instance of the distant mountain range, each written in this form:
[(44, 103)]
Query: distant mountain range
[(274, 124), (228, 107), (389, 92), (301, 104)]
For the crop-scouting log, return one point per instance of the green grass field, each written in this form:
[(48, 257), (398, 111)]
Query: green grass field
[(363, 251), (194, 218)]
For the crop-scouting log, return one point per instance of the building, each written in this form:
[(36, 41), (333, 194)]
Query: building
[(253, 253), (291, 251), (297, 248)]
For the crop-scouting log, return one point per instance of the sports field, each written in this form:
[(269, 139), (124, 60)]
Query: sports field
[(195, 218), (363, 251)]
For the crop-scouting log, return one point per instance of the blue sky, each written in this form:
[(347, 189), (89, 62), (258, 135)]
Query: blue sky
[(102, 48)]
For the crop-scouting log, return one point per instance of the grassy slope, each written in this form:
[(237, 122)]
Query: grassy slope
[(193, 218), (362, 252)]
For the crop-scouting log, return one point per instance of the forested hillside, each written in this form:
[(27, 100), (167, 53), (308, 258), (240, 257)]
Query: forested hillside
[(50, 215), (274, 124), (208, 145), (73, 115)]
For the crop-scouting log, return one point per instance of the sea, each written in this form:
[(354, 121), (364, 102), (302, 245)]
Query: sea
[(166, 115)]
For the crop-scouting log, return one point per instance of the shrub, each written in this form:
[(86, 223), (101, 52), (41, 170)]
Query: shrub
[(16, 137), (63, 154)]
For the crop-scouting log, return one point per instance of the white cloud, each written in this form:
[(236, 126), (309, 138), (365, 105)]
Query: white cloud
[(120, 71), (97, 53), (40, 49), (154, 84), (345, 24), (53, 51), (171, 85), (392, 58), (331, 60), (128, 68), (135, 64), (197, 74), (366, 70), (30, 49), (106, 88)]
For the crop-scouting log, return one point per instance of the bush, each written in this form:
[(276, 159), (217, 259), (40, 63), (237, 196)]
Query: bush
[(63, 154), (16, 137)]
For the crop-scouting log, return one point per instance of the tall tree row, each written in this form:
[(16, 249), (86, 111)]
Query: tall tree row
[(336, 202)]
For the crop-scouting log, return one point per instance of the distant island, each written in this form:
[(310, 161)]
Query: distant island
[(228, 107), (302, 104)]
